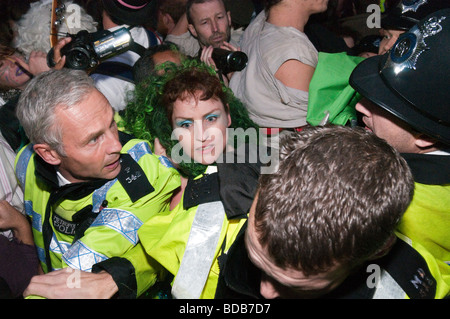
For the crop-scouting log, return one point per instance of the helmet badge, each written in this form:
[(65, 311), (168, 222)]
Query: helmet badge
[(410, 45), (412, 5)]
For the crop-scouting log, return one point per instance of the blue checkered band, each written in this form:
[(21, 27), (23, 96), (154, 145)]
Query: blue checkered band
[(121, 221), (36, 219), (166, 162), (139, 150), (81, 257), (99, 195), (22, 164)]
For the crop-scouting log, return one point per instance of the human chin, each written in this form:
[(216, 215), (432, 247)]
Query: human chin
[(112, 169)]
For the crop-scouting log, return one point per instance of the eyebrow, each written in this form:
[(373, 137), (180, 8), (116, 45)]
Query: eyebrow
[(203, 116), (96, 133)]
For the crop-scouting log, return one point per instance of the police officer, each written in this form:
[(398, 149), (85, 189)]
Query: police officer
[(406, 102), (87, 188)]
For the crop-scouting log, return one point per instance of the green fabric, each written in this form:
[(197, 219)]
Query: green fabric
[(330, 92)]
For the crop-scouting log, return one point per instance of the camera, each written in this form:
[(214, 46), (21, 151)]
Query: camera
[(87, 50), (229, 61)]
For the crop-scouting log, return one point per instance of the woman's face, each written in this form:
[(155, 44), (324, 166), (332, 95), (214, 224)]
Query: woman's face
[(11, 75), (201, 128)]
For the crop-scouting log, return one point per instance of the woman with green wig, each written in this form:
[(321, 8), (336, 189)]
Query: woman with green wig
[(188, 114)]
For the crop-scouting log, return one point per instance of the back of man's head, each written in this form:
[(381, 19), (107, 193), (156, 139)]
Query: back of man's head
[(336, 197)]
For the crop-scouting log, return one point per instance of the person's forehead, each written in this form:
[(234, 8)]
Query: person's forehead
[(197, 9)]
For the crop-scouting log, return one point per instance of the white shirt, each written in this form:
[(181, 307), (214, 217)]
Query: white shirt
[(114, 89)]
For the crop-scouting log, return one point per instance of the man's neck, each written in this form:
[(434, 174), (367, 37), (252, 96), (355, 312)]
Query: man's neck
[(107, 22)]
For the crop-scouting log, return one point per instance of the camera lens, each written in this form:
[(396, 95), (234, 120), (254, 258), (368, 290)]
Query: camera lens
[(237, 60), (229, 61), (78, 58)]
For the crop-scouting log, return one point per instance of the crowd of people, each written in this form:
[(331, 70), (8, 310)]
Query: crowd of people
[(146, 171)]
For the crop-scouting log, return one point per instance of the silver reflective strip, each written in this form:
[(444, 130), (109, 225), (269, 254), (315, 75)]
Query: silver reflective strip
[(200, 251)]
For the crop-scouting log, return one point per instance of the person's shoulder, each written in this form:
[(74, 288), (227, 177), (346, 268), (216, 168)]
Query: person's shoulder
[(141, 151)]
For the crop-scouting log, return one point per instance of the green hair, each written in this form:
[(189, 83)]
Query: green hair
[(146, 118)]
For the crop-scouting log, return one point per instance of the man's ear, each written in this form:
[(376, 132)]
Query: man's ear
[(384, 250), (192, 30), (48, 154), (424, 141), (167, 19)]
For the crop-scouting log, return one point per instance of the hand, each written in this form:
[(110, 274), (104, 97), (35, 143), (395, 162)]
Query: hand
[(11, 218), (71, 283), (206, 57), (60, 61), (37, 62)]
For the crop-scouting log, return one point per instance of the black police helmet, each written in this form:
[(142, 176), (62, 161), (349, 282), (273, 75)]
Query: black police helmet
[(412, 80), (409, 12)]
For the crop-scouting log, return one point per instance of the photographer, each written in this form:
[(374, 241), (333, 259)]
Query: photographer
[(210, 23), (115, 14), (123, 22)]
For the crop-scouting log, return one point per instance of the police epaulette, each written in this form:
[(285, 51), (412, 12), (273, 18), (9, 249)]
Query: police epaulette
[(202, 190), (133, 178), (410, 270)]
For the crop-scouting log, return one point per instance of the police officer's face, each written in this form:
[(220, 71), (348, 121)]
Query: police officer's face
[(200, 126), (387, 126), (389, 39), (211, 23), (90, 138)]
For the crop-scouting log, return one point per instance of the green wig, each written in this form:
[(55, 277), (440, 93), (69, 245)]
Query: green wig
[(146, 118)]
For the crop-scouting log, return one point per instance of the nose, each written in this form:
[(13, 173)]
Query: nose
[(200, 132), (114, 146), (214, 26), (267, 288)]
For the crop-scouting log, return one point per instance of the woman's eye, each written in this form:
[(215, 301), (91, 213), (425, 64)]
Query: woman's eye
[(211, 118), (184, 124)]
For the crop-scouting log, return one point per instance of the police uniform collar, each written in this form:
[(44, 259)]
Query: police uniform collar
[(429, 169), (47, 174)]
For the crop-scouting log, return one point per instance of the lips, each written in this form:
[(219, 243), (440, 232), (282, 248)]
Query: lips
[(206, 148), (113, 165)]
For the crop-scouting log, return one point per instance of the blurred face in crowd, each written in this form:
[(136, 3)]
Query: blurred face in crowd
[(166, 56), (389, 38), (211, 23), (200, 126), (277, 282), (90, 139), (11, 75)]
